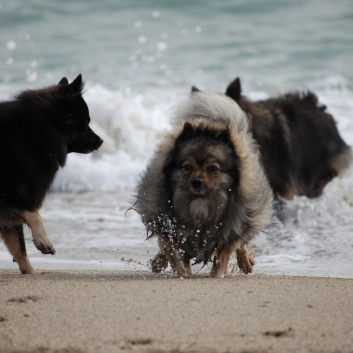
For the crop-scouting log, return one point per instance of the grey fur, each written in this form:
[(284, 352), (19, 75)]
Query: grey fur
[(246, 211)]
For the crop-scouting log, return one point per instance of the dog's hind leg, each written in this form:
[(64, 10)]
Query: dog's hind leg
[(178, 262), (15, 242), (40, 238)]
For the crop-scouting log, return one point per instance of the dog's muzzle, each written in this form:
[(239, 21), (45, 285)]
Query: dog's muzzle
[(197, 184)]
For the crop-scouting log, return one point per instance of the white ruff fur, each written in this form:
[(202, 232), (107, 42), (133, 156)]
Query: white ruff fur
[(249, 211), (205, 210), (199, 209)]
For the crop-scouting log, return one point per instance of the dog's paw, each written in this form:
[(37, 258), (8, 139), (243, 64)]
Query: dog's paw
[(47, 248), (183, 273), (245, 261), (159, 263), (28, 271), (215, 274)]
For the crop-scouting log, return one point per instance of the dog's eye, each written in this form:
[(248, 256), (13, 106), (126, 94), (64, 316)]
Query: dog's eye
[(188, 168), (213, 170)]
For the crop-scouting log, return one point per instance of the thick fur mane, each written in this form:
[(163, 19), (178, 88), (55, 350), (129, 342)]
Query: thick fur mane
[(248, 207), (300, 144), (307, 97)]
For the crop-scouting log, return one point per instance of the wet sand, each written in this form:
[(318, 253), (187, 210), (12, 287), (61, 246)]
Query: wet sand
[(111, 311)]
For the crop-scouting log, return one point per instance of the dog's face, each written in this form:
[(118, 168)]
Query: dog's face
[(202, 172), (76, 119), (201, 168)]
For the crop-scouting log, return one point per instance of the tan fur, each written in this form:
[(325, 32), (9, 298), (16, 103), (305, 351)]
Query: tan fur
[(34, 221), (289, 192), (244, 259), (39, 234), (13, 218), (10, 239), (341, 162), (198, 209), (247, 213), (221, 260)]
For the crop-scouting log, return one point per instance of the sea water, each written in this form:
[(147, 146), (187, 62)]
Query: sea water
[(138, 59)]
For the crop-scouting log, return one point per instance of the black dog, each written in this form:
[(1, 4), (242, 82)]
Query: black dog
[(300, 146), (38, 128)]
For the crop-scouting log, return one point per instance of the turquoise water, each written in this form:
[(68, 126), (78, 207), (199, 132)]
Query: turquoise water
[(171, 45), (138, 58)]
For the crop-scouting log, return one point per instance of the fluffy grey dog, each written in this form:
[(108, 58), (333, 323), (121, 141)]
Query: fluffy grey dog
[(204, 193)]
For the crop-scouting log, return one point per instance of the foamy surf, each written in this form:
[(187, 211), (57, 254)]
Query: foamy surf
[(86, 213), (133, 125)]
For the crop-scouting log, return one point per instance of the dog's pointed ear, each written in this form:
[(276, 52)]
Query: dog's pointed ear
[(64, 81), (234, 89), (188, 132), (194, 89), (224, 136), (77, 84)]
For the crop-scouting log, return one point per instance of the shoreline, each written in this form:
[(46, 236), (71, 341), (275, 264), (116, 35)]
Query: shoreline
[(119, 311)]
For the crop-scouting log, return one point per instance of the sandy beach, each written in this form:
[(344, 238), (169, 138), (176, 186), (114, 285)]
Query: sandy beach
[(107, 311)]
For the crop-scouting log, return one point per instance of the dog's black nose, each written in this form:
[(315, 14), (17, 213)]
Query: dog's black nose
[(197, 183)]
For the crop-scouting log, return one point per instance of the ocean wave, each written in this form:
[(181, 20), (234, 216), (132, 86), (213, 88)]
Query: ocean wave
[(130, 126)]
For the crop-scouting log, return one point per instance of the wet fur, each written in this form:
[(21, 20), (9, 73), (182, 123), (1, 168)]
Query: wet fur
[(233, 205), (300, 145), (38, 128)]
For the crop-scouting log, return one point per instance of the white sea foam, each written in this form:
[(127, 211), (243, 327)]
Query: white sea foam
[(91, 229), (147, 61), (130, 127)]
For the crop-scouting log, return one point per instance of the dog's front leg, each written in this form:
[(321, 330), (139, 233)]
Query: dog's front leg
[(14, 240), (159, 262), (178, 262), (220, 262), (40, 238), (244, 259)]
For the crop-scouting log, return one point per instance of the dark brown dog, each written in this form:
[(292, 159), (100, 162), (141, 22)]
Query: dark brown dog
[(204, 192), (300, 145)]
